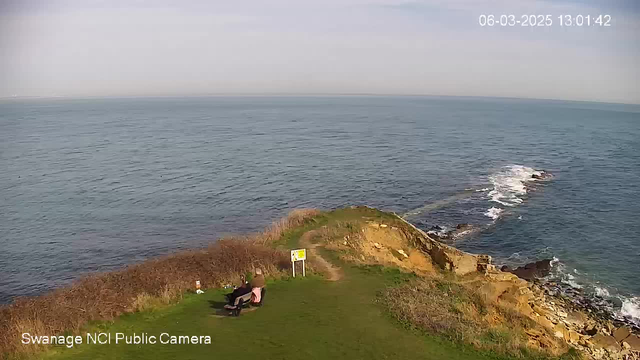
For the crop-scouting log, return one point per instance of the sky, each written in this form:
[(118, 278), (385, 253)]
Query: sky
[(77, 48)]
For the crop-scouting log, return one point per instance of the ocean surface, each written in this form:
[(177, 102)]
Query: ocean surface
[(94, 184)]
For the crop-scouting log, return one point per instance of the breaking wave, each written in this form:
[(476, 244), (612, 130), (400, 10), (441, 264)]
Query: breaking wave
[(602, 292), (441, 232), (618, 306), (631, 308), (510, 187), (494, 213)]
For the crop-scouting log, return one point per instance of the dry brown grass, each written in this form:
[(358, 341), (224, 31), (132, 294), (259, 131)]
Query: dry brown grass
[(450, 308), (294, 219), (146, 285), (339, 231)]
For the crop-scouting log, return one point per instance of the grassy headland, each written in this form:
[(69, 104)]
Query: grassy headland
[(387, 303)]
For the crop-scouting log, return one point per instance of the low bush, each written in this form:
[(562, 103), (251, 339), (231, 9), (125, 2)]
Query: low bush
[(154, 282), (450, 308)]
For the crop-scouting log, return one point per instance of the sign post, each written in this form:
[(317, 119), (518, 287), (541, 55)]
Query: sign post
[(298, 255)]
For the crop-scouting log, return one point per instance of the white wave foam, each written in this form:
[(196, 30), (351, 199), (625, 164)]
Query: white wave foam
[(602, 292), (509, 185), (561, 273), (573, 284), (462, 234), (494, 213), (483, 190), (515, 255), (440, 233), (571, 281), (631, 307)]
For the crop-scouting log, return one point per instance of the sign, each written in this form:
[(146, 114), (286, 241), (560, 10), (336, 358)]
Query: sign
[(300, 254)]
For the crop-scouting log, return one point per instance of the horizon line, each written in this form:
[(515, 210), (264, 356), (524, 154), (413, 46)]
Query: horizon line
[(285, 94)]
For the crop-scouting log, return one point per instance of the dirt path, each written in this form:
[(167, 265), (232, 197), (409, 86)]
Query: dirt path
[(332, 272)]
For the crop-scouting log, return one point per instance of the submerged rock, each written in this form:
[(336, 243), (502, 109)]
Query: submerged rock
[(441, 233), (544, 175)]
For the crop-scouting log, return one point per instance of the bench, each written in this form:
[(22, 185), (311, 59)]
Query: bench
[(243, 300)]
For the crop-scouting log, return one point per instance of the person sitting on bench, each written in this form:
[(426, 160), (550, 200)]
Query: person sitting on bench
[(258, 280), (243, 289), (257, 288)]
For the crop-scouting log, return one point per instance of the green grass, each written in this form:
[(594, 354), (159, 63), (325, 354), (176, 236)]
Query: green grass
[(308, 318), (290, 239), (302, 318)]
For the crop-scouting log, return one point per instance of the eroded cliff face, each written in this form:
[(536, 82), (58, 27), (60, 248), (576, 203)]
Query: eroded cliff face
[(554, 324), (446, 257)]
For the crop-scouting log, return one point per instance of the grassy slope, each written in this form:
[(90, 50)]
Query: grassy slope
[(302, 318)]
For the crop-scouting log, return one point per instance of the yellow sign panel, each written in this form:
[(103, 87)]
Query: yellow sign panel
[(300, 254)]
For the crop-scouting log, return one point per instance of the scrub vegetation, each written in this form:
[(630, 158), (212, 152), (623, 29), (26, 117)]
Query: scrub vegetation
[(383, 305), (455, 309), (152, 283)]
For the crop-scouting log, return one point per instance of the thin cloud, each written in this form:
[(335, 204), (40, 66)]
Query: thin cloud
[(79, 48)]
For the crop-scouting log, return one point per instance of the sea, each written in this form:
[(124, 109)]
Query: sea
[(94, 184)]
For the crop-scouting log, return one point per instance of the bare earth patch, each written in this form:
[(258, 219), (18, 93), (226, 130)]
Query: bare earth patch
[(332, 272)]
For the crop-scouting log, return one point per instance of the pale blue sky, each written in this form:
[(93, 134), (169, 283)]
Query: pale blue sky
[(165, 47)]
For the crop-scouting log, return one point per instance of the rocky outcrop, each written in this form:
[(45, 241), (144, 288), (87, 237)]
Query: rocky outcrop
[(621, 334), (606, 342), (445, 256), (531, 271), (441, 234), (593, 335), (633, 341), (543, 175)]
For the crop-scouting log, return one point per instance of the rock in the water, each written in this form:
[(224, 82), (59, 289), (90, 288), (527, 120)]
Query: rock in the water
[(461, 230), (531, 271), (543, 175), (441, 233), (464, 227)]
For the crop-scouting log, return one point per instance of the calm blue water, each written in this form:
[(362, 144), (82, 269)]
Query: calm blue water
[(91, 185)]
